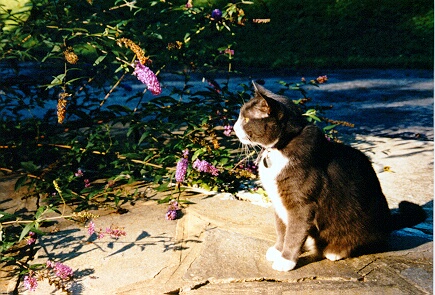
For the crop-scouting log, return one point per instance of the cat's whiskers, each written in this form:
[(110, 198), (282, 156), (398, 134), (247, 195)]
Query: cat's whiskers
[(247, 152)]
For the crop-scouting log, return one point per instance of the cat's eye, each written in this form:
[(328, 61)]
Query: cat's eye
[(246, 120)]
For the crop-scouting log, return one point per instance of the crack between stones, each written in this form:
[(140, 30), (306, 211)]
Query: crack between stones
[(361, 271), (213, 281)]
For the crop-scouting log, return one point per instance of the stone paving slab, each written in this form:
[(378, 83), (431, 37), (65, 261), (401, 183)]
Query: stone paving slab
[(218, 246)]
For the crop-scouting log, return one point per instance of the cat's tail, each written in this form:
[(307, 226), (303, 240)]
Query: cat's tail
[(408, 215)]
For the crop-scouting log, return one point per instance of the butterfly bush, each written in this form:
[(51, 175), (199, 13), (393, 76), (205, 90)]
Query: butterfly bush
[(61, 270), (173, 209), (181, 170), (204, 166), (113, 231), (146, 76), (228, 129), (57, 273), (30, 283), (31, 239)]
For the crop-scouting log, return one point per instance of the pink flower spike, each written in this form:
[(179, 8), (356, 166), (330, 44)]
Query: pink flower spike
[(146, 76), (115, 233), (180, 172), (171, 215), (30, 283), (229, 51), (204, 166), (31, 239), (228, 130), (91, 228), (49, 264), (63, 271)]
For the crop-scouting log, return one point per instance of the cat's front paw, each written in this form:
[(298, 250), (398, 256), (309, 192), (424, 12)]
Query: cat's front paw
[(272, 254), (282, 264)]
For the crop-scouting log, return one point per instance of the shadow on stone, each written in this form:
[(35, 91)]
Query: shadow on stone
[(409, 238)]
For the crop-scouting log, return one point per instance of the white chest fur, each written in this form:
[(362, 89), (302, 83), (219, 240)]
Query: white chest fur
[(275, 162)]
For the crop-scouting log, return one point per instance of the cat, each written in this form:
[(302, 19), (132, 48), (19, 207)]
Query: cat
[(326, 195)]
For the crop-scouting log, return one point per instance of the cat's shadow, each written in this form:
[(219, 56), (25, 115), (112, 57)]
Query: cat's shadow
[(409, 238)]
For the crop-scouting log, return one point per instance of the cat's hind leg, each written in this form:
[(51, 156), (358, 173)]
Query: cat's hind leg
[(335, 253)]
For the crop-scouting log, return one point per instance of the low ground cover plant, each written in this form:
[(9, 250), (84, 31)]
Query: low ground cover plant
[(71, 144)]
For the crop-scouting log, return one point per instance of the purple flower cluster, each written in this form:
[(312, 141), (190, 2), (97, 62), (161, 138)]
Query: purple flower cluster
[(91, 228), (216, 14), (204, 166), (146, 76), (79, 173), (172, 212), (228, 130), (113, 232), (181, 170), (251, 167), (61, 270), (30, 283), (31, 239), (228, 51)]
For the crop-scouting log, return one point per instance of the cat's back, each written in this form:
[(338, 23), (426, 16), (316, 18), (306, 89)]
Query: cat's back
[(315, 150), (312, 158)]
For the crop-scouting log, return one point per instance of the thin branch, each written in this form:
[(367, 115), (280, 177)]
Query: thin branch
[(111, 90)]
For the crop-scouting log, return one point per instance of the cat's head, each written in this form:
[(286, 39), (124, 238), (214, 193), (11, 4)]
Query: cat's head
[(267, 119)]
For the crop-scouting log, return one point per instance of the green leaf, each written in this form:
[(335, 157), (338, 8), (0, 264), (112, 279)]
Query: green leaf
[(26, 230), (99, 59), (311, 113), (223, 161), (58, 80), (163, 187), (41, 210), (6, 215), (29, 166), (142, 138), (198, 153), (165, 200), (329, 127)]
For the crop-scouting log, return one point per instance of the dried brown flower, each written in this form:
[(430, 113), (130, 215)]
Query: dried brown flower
[(84, 216), (176, 45), (135, 48), (61, 106), (337, 122), (70, 56)]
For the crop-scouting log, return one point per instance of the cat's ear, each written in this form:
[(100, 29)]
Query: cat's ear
[(263, 106), (267, 103)]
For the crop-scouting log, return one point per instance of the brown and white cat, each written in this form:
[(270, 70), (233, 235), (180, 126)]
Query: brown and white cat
[(326, 195)]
